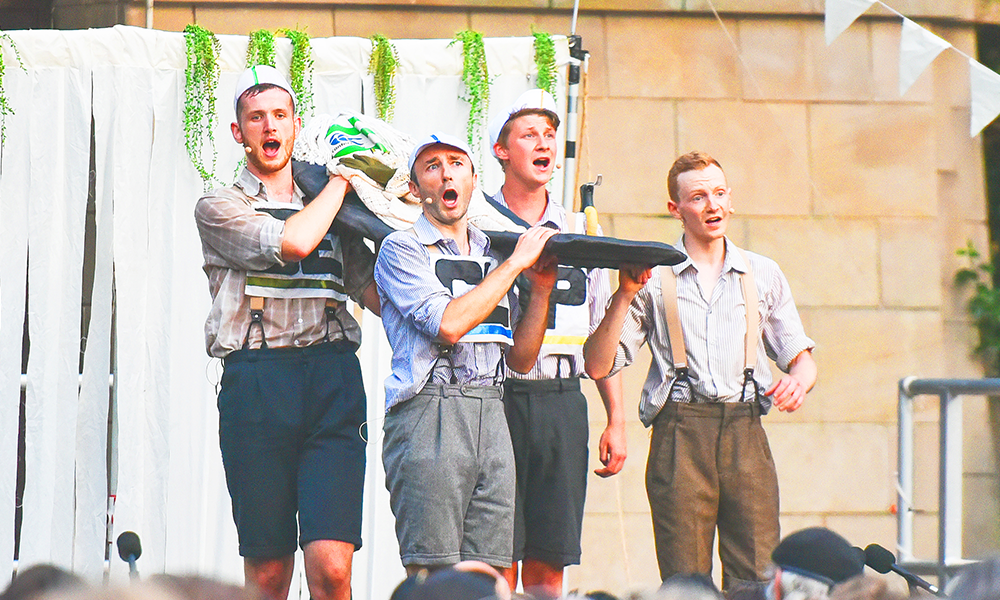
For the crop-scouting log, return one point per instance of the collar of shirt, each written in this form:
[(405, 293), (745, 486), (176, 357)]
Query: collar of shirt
[(732, 262), (554, 214), (254, 188), (427, 234)]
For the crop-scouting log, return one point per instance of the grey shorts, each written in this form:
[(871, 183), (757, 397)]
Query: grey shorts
[(449, 469)]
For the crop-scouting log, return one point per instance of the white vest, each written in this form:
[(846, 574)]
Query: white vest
[(319, 275), (459, 274)]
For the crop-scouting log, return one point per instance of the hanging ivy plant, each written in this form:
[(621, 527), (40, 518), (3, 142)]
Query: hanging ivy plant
[(476, 78), (545, 61), (260, 48), (201, 78), (984, 305), (382, 65), (5, 108), (301, 70)]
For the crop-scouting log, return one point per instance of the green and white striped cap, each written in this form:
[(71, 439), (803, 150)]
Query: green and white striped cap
[(257, 75)]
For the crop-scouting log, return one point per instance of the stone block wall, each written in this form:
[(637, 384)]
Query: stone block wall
[(862, 196)]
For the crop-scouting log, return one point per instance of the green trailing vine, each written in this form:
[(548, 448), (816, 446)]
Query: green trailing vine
[(201, 78), (984, 305), (476, 78), (545, 61), (260, 48), (301, 70), (382, 65), (5, 108)]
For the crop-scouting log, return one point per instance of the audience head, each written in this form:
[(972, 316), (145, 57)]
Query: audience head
[(694, 586), (467, 580), (810, 562), (196, 587), (47, 582), (38, 580), (593, 595), (864, 587), (978, 581), (404, 591)]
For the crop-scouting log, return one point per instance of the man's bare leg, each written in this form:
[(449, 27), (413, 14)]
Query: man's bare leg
[(511, 576), (272, 575), (328, 569), (541, 579)]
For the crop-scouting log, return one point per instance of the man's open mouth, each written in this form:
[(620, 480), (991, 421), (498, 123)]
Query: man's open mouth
[(272, 146), (541, 162), (450, 195), (714, 220)]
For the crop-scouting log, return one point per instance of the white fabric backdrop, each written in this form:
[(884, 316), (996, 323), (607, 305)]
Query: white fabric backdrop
[(166, 467)]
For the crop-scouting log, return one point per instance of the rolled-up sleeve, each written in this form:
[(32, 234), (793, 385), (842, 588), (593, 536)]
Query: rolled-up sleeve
[(243, 237), (600, 296), (635, 329), (784, 336)]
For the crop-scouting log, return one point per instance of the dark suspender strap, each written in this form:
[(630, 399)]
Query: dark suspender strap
[(503, 210), (444, 351), (256, 318), (331, 315), (668, 291)]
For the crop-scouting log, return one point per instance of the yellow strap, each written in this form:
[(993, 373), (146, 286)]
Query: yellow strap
[(753, 313), (668, 291), (678, 351)]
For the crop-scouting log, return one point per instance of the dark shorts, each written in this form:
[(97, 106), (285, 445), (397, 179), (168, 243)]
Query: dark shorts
[(549, 432), (289, 428)]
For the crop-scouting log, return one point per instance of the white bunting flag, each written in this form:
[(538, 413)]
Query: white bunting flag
[(984, 87), (840, 14), (917, 49)]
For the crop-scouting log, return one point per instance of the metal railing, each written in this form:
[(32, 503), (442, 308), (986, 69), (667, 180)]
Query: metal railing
[(950, 392)]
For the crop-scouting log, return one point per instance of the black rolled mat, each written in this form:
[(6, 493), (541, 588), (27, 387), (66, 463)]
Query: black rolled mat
[(575, 250)]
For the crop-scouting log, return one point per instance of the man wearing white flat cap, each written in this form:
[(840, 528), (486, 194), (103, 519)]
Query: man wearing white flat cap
[(448, 315), (546, 411), (291, 401)]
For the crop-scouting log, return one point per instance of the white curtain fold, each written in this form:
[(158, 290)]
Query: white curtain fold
[(377, 569), (92, 425), (14, 186), (59, 150), (204, 537), (142, 403)]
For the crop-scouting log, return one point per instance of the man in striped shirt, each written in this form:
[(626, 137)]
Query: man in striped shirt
[(546, 411), (709, 463), (447, 311)]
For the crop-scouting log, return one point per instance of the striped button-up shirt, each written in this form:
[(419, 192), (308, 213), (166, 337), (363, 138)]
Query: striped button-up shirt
[(413, 302), (236, 238), (551, 365), (714, 333)]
